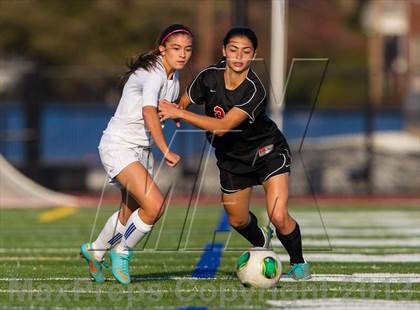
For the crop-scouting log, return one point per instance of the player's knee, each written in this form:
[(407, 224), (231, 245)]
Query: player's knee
[(280, 219), (238, 222), (157, 209), (153, 210)]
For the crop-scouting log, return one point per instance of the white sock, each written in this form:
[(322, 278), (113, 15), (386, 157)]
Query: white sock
[(135, 230), (109, 236)]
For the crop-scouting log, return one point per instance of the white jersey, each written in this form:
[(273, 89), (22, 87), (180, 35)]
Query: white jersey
[(143, 88)]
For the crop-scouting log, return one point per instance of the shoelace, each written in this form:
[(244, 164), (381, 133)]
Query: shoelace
[(294, 268), (105, 264), (124, 263)]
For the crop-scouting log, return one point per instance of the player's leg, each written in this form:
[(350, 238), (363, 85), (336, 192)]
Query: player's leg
[(128, 206), (109, 236), (141, 187), (242, 220), (114, 228), (287, 229), (145, 192)]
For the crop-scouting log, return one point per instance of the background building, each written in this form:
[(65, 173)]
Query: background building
[(59, 84)]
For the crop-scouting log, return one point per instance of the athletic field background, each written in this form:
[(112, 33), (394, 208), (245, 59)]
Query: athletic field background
[(363, 254)]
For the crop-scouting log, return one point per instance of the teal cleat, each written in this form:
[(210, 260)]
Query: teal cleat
[(268, 234), (120, 265), (300, 271), (95, 266)]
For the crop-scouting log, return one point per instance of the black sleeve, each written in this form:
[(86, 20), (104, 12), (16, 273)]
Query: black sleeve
[(198, 88), (253, 100)]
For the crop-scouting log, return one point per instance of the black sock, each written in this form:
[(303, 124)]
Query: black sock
[(293, 245), (252, 232)]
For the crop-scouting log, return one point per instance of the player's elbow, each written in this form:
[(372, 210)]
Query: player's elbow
[(149, 111), (221, 133), (223, 129)]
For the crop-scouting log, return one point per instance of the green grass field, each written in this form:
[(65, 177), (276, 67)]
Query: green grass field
[(368, 252)]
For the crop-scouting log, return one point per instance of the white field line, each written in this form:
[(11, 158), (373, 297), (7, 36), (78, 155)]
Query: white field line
[(361, 232), (361, 279), (343, 304), (372, 250), (311, 257), (40, 250), (361, 213), (228, 307), (221, 288), (366, 219), (357, 258), (356, 222), (196, 291), (239, 306), (313, 229), (36, 258), (344, 242), (349, 278), (76, 251)]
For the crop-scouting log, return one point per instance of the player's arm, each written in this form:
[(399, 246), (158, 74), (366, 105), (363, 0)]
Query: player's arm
[(151, 88), (184, 102), (218, 126), (152, 122)]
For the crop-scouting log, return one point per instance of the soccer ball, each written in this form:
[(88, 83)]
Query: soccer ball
[(258, 267)]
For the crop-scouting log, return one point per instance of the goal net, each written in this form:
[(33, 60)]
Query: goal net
[(16, 190)]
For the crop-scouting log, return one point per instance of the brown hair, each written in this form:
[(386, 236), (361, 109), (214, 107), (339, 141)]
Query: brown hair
[(149, 60)]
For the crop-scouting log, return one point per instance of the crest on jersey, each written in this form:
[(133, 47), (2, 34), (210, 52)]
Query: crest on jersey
[(218, 112)]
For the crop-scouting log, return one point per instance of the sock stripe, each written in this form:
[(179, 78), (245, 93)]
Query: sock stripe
[(115, 239), (111, 241), (129, 231), (118, 239)]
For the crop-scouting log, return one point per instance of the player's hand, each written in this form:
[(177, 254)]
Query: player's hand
[(172, 159), (168, 110)]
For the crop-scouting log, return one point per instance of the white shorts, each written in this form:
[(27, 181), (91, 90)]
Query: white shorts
[(115, 160)]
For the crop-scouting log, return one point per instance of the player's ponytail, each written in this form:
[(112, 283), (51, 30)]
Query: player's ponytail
[(150, 60)]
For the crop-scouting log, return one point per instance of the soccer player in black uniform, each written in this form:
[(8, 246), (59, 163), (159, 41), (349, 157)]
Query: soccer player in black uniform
[(249, 148)]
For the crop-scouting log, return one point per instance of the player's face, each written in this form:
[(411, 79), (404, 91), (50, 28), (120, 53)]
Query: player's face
[(239, 53), (177, 51)]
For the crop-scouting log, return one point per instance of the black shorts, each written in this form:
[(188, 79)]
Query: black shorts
[(277, 161)]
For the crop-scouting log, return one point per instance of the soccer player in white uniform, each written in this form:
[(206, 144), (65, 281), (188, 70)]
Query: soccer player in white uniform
[(125, 151)]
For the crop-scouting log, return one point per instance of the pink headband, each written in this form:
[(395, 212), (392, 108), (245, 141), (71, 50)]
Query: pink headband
[(172, 32)]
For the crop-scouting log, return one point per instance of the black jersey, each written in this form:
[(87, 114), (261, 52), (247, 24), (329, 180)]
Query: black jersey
[(237, 150)]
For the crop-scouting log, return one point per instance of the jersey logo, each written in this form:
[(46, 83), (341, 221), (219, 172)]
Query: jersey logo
[(265, 150), (218, 112)]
